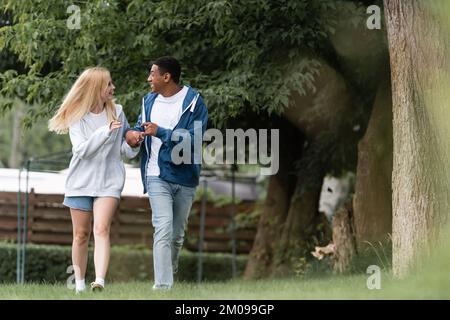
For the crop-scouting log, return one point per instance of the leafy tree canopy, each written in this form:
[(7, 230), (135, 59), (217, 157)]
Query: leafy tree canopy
[(238, 53)]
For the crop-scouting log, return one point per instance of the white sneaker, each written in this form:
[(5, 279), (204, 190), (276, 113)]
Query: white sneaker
[(96, 287), (161, 287)]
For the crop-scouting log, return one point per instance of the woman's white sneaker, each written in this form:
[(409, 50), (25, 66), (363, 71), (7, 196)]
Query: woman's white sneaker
[(96, 287)]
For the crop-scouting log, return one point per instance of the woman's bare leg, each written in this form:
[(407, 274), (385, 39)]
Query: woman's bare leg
[(81, 226), (104, 209)]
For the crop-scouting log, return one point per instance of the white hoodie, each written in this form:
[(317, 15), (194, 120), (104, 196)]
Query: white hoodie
[(96, 168)]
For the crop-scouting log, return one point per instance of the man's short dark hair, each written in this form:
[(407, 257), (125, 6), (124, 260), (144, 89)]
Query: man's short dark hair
[(170, 65)]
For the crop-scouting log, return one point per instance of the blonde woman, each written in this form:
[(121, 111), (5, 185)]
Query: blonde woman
[(96, 176)]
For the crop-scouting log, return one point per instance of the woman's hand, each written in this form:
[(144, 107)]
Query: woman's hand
[(114, 125)]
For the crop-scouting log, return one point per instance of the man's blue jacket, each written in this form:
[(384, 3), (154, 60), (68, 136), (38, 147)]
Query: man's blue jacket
[(194, 112)]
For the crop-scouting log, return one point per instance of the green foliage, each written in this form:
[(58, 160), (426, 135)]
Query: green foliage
[(50, 264), (35, 142), (374, 253), (247, 219), (370, 253), (237, 52), (219, 200)]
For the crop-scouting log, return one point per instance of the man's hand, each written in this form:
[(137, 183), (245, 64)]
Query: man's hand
[(134, 138), (150, 128)]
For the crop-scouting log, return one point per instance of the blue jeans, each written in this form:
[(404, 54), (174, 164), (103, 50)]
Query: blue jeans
[(171, 204)]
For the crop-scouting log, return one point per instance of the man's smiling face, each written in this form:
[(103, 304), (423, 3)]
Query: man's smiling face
[(156, 79)]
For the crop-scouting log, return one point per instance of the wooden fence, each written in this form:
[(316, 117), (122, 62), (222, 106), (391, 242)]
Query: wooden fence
[(49, 222)]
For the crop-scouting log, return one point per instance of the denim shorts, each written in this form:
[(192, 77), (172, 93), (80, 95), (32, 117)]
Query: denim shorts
[(84, 203)]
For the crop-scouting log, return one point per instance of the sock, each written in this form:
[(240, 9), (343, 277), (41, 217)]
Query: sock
[(100, 281), (80, 285)]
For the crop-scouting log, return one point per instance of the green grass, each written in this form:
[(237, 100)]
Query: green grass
[(431, 281), (329, 287)]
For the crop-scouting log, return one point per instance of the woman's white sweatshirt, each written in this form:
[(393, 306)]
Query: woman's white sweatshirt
[(96, 168)]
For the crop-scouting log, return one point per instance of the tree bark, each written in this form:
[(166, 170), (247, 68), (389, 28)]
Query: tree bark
[(419, 55), (343, 238), (15, 157), (275, 208), (320, 112), (305, 227), (290, 224), (372, 202)]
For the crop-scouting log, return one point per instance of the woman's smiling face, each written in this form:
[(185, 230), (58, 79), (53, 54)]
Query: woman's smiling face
[(108, 93)]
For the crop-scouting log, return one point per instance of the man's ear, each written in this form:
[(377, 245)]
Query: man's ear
[(167, 77)]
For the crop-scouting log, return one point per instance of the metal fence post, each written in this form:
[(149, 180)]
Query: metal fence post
[(233, 227), (25, 223), (202, 231), (19, 228)]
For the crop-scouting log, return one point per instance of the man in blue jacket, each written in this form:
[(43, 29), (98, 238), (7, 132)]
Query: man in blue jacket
[(170, 115)]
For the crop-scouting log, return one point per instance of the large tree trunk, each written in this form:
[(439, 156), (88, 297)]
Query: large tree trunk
[(418, 53), (275, 208), (372, 203), (290, 224), (319, 114), (15, 157), (305, 227), (344, 241)]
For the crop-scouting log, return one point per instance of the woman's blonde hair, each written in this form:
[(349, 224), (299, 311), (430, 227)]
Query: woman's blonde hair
[(85, 94)]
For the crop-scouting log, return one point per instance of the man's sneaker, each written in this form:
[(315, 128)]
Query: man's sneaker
[(96, 287), (161, 287)]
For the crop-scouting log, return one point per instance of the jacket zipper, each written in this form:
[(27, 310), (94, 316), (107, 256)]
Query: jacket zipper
[(145, 142)]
